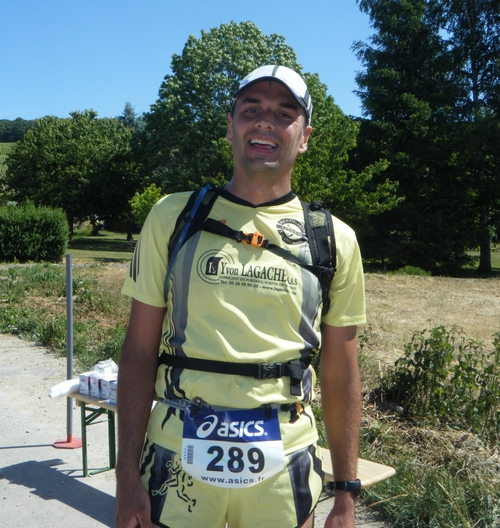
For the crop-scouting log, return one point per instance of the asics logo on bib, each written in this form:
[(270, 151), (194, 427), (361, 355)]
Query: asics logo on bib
[(222, 429)]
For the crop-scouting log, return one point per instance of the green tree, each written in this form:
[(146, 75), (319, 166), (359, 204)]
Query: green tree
[(409, 91), (473, 27), (185, 130), (130, 118), (186, 126), (80, 164), (141, 203), (11, 131), (322, 172)]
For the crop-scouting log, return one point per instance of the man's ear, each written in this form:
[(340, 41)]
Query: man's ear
[(229, 131), (305, 139)]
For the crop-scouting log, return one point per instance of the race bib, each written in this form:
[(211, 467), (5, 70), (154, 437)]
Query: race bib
[(232, 449)]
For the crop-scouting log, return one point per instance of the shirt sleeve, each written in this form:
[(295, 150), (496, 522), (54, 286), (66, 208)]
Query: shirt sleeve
[(347, 291), (148, 268)]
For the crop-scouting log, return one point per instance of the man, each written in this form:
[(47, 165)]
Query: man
[(223, 447)]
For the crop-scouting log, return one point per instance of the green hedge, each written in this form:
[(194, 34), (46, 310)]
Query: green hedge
[(35, 234)]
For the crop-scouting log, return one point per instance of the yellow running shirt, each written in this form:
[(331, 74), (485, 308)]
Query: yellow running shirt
[(229, 301)]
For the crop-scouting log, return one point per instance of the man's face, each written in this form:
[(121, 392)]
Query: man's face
[(268, 129)]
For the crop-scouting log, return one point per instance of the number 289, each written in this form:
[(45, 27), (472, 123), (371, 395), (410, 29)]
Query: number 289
[(236, 460)]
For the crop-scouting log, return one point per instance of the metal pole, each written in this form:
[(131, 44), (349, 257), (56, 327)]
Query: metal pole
[(69, 340), (69, 442)]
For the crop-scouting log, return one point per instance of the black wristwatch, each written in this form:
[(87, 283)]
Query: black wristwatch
[(348, 485)]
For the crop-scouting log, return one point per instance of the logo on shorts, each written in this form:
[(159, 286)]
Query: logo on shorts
[(291, 231), (179, 481)]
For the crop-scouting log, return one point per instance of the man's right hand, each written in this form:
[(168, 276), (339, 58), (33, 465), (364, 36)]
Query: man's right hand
[(136, 380), (133, 507)]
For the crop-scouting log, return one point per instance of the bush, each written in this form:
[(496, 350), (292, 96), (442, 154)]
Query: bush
[(412, 270), (445, 376), (33, 234), (439, 427)]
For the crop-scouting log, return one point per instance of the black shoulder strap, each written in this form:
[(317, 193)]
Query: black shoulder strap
[(321, 237)]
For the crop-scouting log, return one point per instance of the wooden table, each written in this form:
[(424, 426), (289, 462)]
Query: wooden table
[(91, 410), (368, 472)]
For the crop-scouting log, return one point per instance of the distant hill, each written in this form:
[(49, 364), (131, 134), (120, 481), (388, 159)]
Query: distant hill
[(12, 131)]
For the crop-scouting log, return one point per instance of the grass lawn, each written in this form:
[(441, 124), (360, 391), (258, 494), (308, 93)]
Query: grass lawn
[(107, 246), (495, 258)]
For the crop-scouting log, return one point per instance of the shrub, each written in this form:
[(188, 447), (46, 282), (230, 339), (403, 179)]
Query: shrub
[(33, 234), (141, 204), (412, 270), (447, 376)]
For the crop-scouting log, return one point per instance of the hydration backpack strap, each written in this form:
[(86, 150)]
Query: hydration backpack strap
[(293, 369), (188, 223), (321, 237)]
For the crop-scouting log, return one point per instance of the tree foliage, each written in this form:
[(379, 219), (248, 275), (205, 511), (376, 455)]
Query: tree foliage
[(473, 27), (131, 119), (80, 164), (142, 203), (185, 130), (11, 131), (187, 124), (413, 92), (322, 172)]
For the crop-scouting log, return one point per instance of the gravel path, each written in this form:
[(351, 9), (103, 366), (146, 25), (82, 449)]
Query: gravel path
[(43, 486)]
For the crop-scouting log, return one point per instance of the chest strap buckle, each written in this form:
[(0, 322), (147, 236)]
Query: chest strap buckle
[(267, 370)]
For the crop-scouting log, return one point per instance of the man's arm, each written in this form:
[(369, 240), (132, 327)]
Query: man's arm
[(136, 380), (341, 405)]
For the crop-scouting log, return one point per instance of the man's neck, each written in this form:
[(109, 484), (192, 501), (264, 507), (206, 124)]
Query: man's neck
[(258, 190)]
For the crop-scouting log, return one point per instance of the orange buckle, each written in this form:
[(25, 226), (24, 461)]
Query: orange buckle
[(254, 239)]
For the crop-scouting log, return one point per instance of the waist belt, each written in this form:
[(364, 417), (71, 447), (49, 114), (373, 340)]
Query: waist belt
[(295, 409), (293, 369)]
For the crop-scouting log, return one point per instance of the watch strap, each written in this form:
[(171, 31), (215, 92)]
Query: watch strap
[(348, 485)]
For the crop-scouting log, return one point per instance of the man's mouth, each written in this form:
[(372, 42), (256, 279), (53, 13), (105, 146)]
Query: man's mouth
[(264, 143)]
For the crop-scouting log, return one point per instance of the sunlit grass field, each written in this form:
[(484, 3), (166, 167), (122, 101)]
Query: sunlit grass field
[(107, 246)]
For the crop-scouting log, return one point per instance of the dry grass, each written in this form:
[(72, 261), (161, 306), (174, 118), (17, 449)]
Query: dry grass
[(399, 305), (443, 473)]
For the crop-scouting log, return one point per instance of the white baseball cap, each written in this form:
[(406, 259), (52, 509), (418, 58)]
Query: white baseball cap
[(286, 76)]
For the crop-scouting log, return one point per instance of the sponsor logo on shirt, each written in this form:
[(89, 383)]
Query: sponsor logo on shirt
[(291, 231), (219, 267)]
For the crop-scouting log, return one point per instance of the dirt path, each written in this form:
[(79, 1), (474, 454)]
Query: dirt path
[(42, 486)]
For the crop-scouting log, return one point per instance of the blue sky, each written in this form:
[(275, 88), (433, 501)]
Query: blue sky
[(58, 56)]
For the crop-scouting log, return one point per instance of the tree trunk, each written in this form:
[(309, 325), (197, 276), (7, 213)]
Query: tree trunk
[(130, 226), (484, 247)]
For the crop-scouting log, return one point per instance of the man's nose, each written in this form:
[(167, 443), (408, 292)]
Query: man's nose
[(266, 121)]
